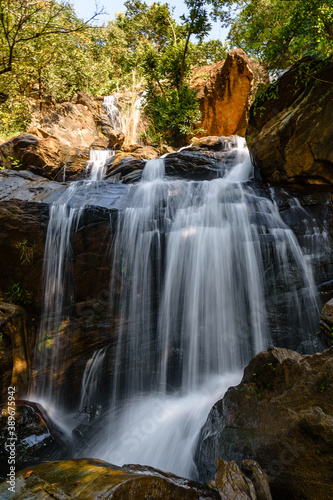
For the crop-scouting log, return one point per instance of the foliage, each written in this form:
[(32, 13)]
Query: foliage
[(26, 251), (172, 114), (171, 105), (208, 52), (22, 21), (18, 295), (128, 36), (46, 51), (278, 32)]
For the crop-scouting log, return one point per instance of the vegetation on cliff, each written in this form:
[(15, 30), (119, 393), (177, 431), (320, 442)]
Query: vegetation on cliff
[(47, 52)]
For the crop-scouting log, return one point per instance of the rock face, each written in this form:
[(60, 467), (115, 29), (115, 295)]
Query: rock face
[(15, 350), (231, 483), (281, 415), (225, 92), (24, 215), (116, 139), (290, 136), (44, 155), (89, 479), (73, 124), (326, 323), (38, 438)]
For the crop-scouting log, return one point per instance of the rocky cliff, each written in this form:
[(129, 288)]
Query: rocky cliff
[(290, 127)]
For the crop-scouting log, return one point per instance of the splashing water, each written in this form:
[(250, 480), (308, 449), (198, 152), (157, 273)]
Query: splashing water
[(97, 163), (206, 271), (128, 119), (110, 105), (201, 265), (53, 343), (91, 379)]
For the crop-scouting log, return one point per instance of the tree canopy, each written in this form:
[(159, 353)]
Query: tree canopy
[(46, 50), (278, 32)]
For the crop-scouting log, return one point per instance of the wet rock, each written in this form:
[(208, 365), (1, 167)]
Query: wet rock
[(326, 323), (99, 144), (225, 93), (13, 327), (195, 165), (45, 156), (38, 437), (231, 483), (281, 416), (24, 215), (259, 479), (115, 139), (214, 143), (290, 136), (165, 149), (88, 479)]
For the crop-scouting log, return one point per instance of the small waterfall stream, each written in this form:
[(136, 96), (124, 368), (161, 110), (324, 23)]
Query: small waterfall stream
[(64, 218), (202, 274), (128, 120)]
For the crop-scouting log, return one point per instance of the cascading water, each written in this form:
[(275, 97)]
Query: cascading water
[(111, 108), (204, 275), (201, 265), (128, 119), (64, 218), (97, 163), (91, 380)]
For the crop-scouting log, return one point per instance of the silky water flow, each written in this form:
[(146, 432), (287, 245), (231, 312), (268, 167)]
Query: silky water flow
[(205, 270), (193, 259)]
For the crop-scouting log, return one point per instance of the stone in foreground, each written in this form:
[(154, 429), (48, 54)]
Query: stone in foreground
[(280, 415), (87, 479)]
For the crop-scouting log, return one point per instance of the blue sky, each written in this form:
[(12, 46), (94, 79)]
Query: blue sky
[(85, 8)]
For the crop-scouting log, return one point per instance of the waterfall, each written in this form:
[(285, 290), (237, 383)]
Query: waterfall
[(129, 118), (53, 340), (91, 380), (110, 105), (206, 267), (97, 163), (205, 274)]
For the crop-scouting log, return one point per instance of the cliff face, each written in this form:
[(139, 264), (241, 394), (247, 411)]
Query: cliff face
[(290, 130), (225, 94)]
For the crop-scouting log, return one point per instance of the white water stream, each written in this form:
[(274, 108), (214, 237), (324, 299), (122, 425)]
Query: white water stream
[(193, 257), (203, 267)]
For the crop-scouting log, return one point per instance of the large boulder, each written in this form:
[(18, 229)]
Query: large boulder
[(225, 94), (73, 123), (281, 415), (88, 479), (290, 128), (38, 437), (44, 155)]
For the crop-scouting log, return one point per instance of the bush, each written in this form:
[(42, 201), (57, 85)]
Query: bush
[(172, 115)]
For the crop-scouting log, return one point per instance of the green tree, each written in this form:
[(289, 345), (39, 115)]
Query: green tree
[(208, 52), (278, 32), (171, 105), (24, 20), (41, 66)]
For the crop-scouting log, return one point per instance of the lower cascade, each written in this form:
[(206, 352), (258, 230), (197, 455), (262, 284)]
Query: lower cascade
[(205, 274)]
